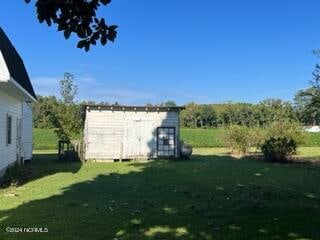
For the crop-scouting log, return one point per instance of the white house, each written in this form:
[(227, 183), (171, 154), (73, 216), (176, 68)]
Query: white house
[(16, 96), (131, 132)]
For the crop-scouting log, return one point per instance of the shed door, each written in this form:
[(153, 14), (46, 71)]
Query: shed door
[(139, 138)]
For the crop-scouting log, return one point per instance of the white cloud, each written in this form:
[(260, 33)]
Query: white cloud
[(46, 85), (90, 88), (45, 81)]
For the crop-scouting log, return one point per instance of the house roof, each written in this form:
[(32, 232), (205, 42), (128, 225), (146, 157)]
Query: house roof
[(15, 64), (132, 108)]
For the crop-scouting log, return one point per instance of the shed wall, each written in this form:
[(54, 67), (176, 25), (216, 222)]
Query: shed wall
[(116, 134)]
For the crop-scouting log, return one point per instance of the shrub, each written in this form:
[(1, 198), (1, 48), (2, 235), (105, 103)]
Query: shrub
[(282, 140), (290, 130), (258, 137), (239, 139), (279, 149)]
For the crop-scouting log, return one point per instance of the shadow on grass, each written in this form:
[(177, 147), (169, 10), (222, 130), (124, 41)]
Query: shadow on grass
[(208, 197), (43, 164), (46, 164)]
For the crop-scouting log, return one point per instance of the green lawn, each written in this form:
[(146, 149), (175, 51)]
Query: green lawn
[(214, 138), (212, 196), (44, 139)]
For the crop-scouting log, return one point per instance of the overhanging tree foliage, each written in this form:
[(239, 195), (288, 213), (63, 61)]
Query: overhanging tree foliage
[(78, 17)]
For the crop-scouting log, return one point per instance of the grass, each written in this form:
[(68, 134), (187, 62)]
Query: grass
[(312, 140), (203, 138), (44, 139), (214, 138), (212, 196)]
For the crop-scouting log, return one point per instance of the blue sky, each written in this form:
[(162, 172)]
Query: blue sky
[(182, 50)]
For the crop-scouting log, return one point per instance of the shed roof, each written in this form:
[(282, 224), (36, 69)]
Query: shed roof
[(15, 64), (133, 108)]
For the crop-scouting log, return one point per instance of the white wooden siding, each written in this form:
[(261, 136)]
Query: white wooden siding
[(17, 110), (13, 107), (125, 134), (27, 124)]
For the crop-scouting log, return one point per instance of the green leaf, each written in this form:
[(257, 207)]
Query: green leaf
[(81, 43), (104, 40), (67, 34)]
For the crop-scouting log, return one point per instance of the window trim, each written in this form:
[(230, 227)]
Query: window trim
[(175, 142)]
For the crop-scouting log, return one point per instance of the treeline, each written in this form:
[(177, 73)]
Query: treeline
[(64, 114), (247, 114), (305, 109), (51, 112)]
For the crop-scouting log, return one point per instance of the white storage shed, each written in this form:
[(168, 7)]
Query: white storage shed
[(131, 132)]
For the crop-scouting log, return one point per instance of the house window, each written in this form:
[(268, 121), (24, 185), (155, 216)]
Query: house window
[(166, 141), (9, 129)]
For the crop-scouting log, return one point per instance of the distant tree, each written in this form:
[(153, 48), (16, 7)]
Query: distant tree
[(103, 103), (230, 113), (276, 110), (168, 104), (307, 101), (78, 17), (190, 116), (308, 113), (45, 112), (83, 103), (208, 117), (149, 105), (68, 89), (116, 103), (70, 123)]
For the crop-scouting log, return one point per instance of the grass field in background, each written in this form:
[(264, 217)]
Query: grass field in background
[(203, 137), (214, 138), (313, 140), (44, 139)]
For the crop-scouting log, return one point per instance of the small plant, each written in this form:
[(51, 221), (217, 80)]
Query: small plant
[(239, 139), (258, 137), (279, 149)]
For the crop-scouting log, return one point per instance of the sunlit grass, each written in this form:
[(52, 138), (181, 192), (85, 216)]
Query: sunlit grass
[(212, 196), (44, 139)]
